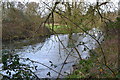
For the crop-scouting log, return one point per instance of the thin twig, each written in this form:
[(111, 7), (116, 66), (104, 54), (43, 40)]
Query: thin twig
[(43, 65)]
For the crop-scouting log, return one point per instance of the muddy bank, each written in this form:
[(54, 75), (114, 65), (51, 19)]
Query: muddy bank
[(18, 44)]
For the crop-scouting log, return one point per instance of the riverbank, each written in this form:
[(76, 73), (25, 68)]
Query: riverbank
[(18, 44), (65, 29), (95, 66), (53, 54), (19, 33), (16, 31)]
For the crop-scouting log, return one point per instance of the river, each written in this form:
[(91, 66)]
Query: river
[(52, 54)]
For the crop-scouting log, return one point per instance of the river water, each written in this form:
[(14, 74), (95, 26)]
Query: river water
[(52, 53)]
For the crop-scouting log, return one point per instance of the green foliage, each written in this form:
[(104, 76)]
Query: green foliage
[(11, 62), (115, 24), (83, 70), (92, 68), (118, 75), (118, 22)]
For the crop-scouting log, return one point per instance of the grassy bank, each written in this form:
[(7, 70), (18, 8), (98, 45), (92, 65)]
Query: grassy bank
[(65, 29)]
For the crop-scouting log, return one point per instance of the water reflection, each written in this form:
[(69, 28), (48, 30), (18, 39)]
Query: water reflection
[(55, 49)]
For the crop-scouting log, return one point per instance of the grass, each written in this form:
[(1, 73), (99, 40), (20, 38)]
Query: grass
[(58, 28), (65, 29)]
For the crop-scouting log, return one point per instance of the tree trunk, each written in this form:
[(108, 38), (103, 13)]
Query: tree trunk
[(118, 32)]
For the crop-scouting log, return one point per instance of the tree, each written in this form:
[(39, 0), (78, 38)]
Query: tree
[(32, 8), (20, 6)]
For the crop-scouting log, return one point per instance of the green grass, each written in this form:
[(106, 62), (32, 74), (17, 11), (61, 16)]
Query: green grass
[(64, 29), (56, 26)]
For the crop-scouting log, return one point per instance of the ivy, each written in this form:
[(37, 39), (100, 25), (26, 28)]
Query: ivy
[(11, 62)]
